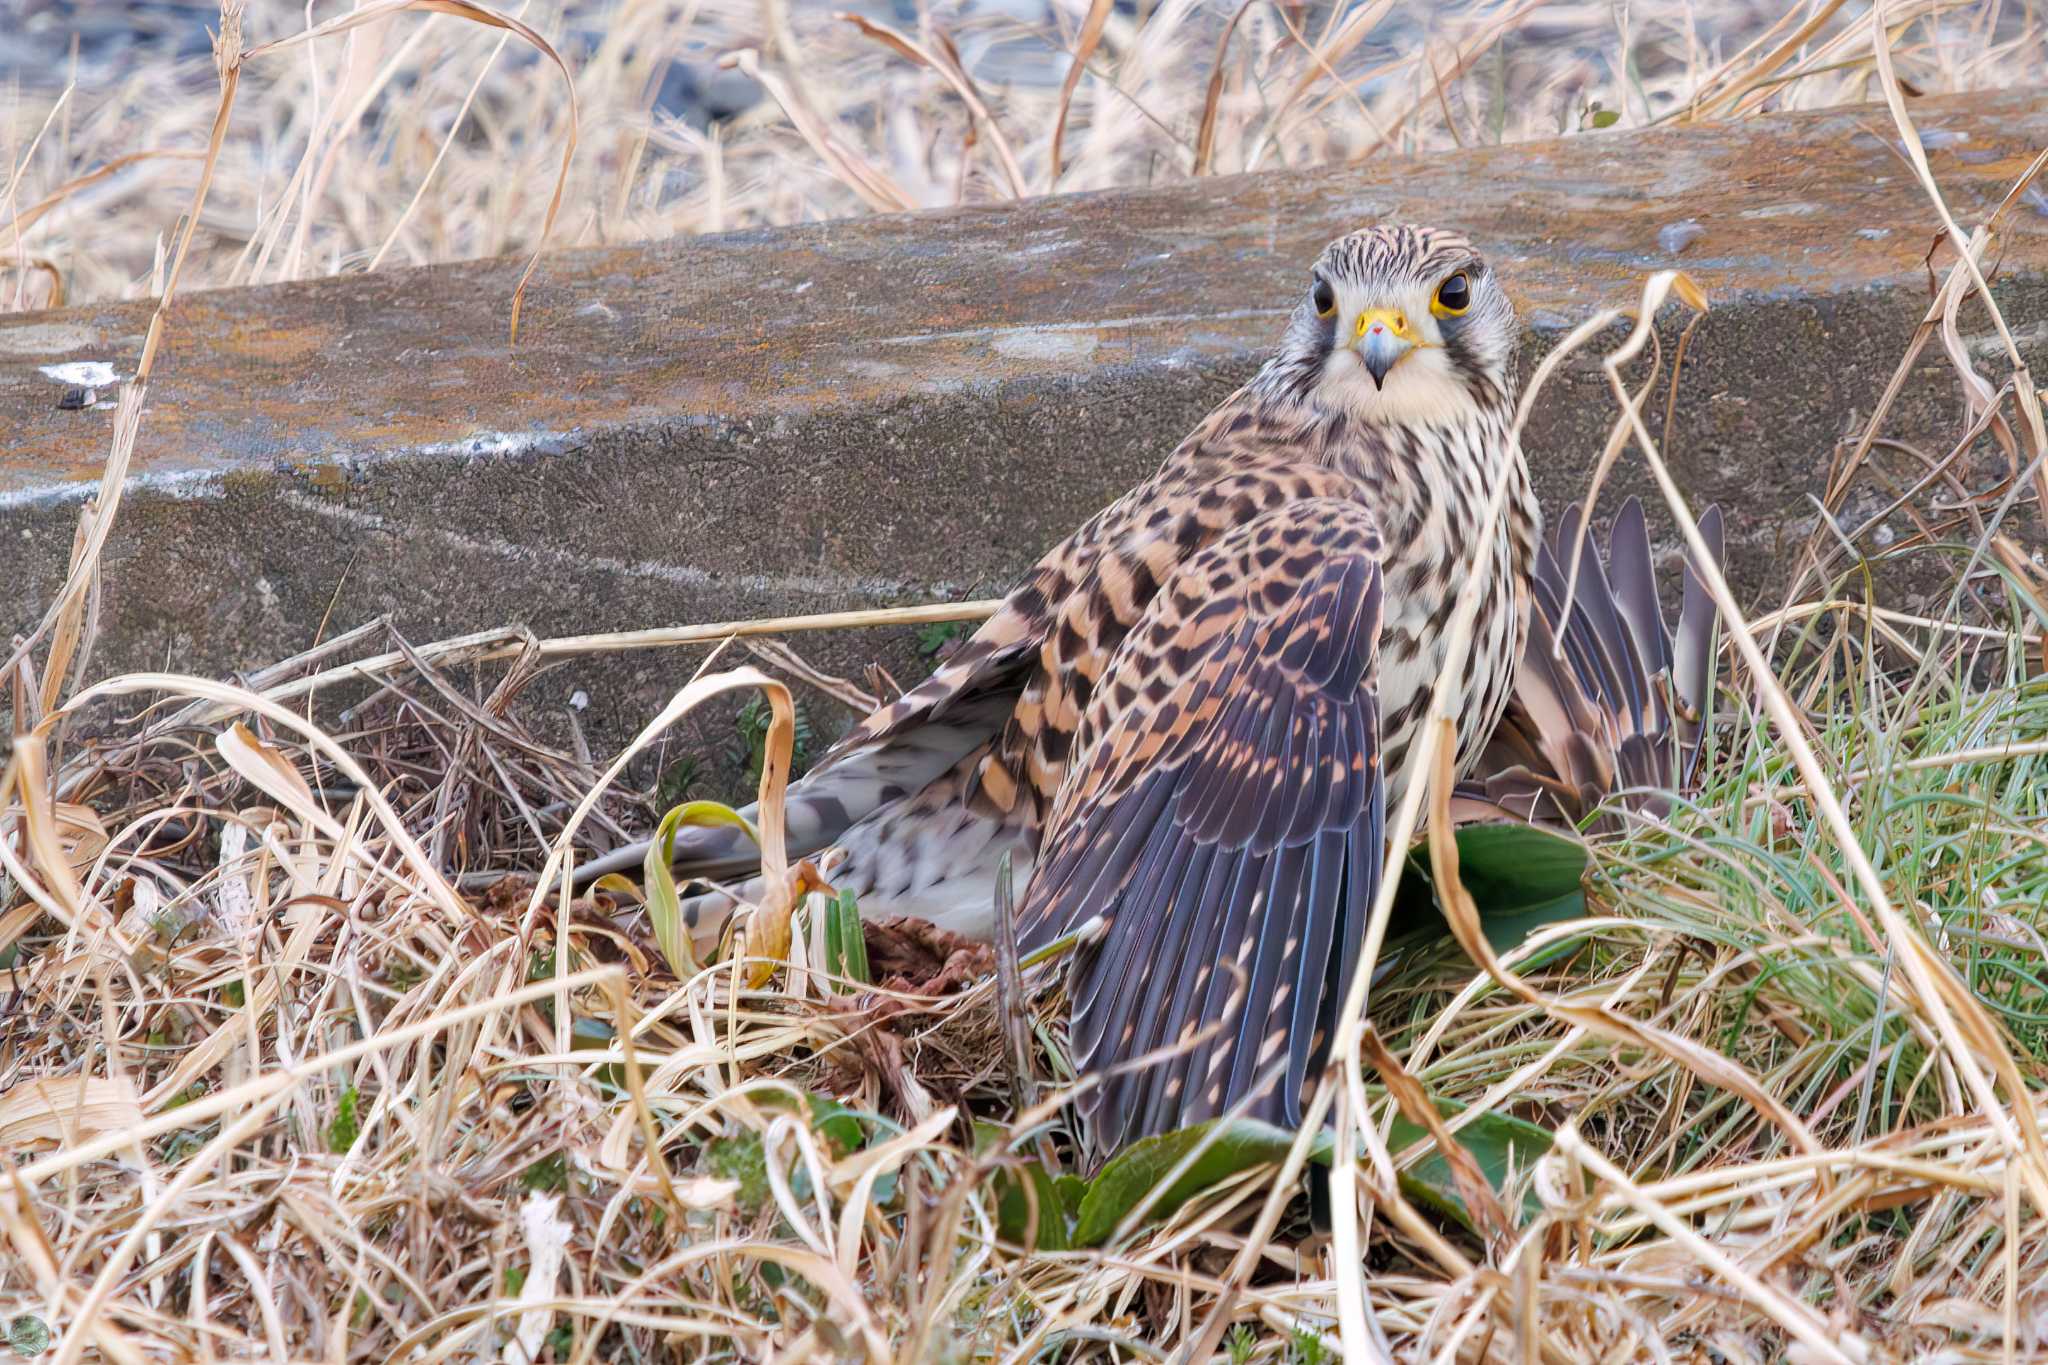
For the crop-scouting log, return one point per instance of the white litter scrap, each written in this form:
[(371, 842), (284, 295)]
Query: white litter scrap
[(547, 1239), (237, 903), (85, 374)]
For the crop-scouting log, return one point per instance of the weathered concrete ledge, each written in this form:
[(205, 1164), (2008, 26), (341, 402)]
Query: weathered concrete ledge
[(872, 412)]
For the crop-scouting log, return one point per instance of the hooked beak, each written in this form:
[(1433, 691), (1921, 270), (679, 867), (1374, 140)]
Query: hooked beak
[(1383, 338)]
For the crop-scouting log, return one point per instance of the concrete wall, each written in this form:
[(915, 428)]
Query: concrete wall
[(893, 409)]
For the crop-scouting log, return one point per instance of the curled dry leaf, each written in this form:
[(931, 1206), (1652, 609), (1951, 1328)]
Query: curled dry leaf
[(767, 933), (61, 893), (67, 1109), (706, 1192), (273, 774)]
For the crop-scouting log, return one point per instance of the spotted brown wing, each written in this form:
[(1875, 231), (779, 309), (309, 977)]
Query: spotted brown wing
[(1226, 820)]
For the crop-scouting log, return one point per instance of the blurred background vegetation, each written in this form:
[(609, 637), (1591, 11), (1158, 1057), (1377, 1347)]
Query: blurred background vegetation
[(430, 138)]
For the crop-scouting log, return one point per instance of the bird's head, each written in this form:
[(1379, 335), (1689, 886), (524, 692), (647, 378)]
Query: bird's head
[(1405, 325)]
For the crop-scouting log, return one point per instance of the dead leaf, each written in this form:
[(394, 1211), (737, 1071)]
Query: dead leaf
[(67, 1109)]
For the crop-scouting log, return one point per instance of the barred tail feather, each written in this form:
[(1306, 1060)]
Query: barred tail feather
[(840, 793), (1609, 699)]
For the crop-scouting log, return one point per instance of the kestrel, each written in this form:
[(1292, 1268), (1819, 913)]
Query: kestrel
[(1186, 725)]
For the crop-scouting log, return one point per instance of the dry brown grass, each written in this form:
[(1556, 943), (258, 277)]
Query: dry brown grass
[(289, 1070), (432, 139)]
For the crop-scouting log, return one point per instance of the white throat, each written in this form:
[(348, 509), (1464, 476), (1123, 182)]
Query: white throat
[(1420, 390)]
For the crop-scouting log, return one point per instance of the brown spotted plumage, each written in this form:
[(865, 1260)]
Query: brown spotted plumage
[(1188, 721)]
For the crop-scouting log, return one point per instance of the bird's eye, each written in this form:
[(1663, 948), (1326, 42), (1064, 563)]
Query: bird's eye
[(1453, 296), (1324, 298)]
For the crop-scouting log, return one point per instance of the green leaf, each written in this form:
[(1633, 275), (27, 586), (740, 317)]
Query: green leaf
[(831, 1120), (1520, 876), (1508, 867), (836, 1123), (846, 943), (343, 1130), (1306, 1348), (664, 906), (28, 1336), (1605, 118), (1058, 1198), (1508, 931), (676, 783), (741, 1157), (1501, 1144), (595, 1035), (935, 637), (1131, 1175), (986, 1135), (753, 724)]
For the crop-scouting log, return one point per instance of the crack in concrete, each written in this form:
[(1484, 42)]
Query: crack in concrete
[(828, 587), (1106, 325)]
